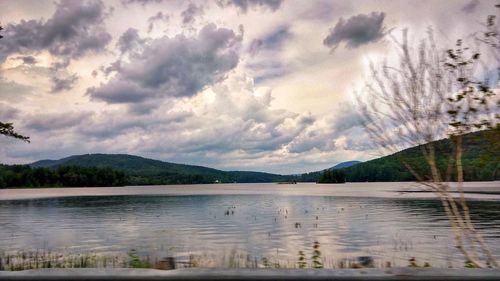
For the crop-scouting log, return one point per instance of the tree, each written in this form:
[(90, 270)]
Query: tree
[(7, 129), (411, 104)]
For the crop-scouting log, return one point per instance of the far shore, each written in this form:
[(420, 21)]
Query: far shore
[(473, 190)]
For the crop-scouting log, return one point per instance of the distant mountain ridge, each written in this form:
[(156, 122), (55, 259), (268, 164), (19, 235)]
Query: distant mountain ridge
[(148, 171), (480, 161), (345, 164)]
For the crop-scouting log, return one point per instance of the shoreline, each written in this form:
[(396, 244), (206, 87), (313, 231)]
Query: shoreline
[(397, 190)]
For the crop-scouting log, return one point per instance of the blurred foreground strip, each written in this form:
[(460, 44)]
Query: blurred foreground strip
[(254, 274)]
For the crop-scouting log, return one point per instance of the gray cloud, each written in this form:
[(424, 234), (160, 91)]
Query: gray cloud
[(254, 47), (190, 13), (60, 84), (346, 121), (159, 17), (27, 59), (12, 91), (276, 38), (58, 121), (112, 124), (267, 68), (173, 67), (357, 30), (7, 112), (142, 2), (470, 7), (237, 121), (268, 64), (129, 40), (76, 28), (245, 5)]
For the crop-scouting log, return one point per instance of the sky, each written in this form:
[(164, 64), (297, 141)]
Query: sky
[(263, 85)]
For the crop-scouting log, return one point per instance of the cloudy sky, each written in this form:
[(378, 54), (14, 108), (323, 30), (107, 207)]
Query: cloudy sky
[(263, 85)]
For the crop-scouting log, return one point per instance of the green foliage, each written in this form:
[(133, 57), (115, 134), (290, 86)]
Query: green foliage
[(332, 176), (143, 171), (7, 129), (74, 176), (265, 262), (135, 261), (480, 161), (302, 260), (316, 256), (471, 107), (469, 264)]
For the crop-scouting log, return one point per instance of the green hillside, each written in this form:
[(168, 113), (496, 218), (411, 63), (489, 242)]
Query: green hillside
[(480, 162), (148, 171)]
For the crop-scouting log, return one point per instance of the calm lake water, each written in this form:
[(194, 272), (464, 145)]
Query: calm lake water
[(251, 220)]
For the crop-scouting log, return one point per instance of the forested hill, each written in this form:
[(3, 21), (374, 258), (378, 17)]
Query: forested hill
[(481, 161), (141, 170)]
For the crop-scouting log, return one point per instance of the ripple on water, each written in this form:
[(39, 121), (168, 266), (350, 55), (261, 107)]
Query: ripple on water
[(259, 225)]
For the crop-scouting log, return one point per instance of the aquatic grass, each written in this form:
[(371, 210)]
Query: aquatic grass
[(135, 261), (302, 260), (316, 256), (25, 260)]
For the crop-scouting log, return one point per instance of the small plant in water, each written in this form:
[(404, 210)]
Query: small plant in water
[(316, 256), (469, 264), (135, 261), (412, 262), (265, 262), (302, 260)]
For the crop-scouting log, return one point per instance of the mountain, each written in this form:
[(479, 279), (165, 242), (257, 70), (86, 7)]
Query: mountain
[(480, 162), (142, 170), (345, 165)]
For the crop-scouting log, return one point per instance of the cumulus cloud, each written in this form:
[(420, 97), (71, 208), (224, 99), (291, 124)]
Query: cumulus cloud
[(130, 40), (239, 119), (357, 31), (245, 5), (470, 6), (341, 130), (76, 28), (172, 67)]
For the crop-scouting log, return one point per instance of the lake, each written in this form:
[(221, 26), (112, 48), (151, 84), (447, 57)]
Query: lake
[(244, 224)]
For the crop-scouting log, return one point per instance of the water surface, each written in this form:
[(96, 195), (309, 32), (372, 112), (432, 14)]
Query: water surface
[(257, 220)]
